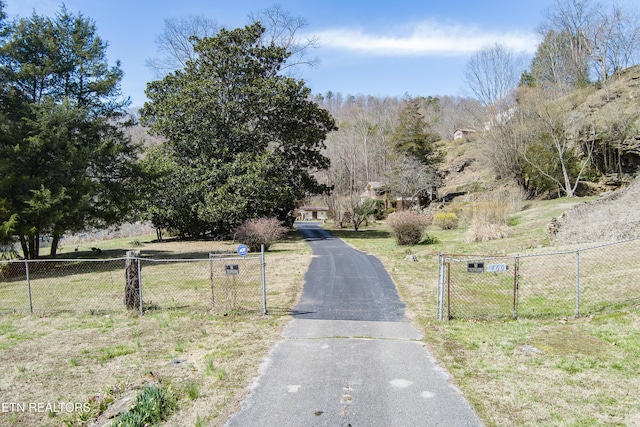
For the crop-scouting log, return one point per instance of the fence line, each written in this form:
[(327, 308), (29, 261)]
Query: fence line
[(572, 282), (222, 282)]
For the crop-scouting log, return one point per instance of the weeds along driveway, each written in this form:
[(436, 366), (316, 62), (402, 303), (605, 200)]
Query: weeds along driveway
[(349, 356)]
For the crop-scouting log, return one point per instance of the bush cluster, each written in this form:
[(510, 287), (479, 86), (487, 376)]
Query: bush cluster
[(261, 231), (445, 220), (407, 227)]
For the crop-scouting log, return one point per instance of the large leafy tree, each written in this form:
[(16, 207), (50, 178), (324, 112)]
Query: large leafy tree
[(241, 140), (66, 163)]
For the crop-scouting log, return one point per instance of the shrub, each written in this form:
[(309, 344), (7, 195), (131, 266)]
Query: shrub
[(152, 406), (445, 220), (262, 231), (407, 227)]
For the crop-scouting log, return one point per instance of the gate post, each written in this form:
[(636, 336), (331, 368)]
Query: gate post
[(439, 308), (264, 280), (516, 285), (26, 269), (213, 293), (133, 285), (577, 283)]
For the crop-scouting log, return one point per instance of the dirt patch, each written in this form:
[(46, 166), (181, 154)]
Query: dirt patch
[(613, 217), (567, 340)]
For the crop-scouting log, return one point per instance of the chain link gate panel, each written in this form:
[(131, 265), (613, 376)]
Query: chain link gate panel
[(238, 283), (478, 287), (575, 282)]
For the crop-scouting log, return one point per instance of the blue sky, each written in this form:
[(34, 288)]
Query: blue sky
[(380, 48)]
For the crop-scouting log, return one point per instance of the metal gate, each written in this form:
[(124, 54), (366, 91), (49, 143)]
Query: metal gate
[(238, 282), (477, 286)]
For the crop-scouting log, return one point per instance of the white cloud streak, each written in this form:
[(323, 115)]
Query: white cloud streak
[(425, 39)]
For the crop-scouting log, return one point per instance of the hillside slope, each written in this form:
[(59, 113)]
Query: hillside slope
[(615, 216), (612, 111)]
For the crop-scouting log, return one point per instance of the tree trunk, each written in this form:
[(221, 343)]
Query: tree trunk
[(55, 240), (568, 189), (33, 240), (132, 278), (25, 247)]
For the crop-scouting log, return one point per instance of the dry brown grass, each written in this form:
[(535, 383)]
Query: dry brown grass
[(207, 358), (489, 213), (480, 231)]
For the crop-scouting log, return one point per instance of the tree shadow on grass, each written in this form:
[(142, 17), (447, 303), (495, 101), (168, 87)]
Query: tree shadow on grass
[(360, 234)]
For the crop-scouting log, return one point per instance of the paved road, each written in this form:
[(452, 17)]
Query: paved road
[(349, 357)]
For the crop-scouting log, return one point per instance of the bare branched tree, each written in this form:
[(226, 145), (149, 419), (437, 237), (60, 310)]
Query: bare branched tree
[(575, 19), (492, 76), (614, 41), (587, 35), (504, 147), (411, 179), (175, 43), (552, 67), (283, 29), (552, 143)]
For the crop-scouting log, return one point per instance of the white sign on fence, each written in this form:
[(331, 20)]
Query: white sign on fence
[(497, 268)]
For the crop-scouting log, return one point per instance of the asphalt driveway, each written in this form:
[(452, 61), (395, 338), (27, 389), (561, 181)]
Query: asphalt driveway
[(349, 357)]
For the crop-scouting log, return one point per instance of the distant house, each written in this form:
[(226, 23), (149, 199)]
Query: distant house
[(312, 213), (463, 133), (378, 191), (374, 190)]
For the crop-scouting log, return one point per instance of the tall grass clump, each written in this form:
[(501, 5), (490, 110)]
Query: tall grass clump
[(261, 231), (407, 227), (490, 215)]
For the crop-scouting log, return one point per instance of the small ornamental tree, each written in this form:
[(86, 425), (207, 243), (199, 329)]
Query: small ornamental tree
[(407, 227), (262, 231), (362, 211)]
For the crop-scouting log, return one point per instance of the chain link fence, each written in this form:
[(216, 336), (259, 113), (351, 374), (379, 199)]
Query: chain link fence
[(221, 282), (577, 282)]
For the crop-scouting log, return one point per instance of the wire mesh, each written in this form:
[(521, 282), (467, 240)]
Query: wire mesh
[(42, 286), (609, 276), (61, 285), (577, 282), (236, 282), (479, 287)]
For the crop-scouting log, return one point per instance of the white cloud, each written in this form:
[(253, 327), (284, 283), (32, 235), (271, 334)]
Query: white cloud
[(425, 39)]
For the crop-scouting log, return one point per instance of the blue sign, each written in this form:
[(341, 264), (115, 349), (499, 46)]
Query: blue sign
[(243, 250)]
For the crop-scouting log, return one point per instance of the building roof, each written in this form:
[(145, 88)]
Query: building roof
[(313, 208)]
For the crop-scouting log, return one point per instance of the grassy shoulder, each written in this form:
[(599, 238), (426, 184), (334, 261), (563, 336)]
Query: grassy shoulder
[(205, 358), (527, 372)]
